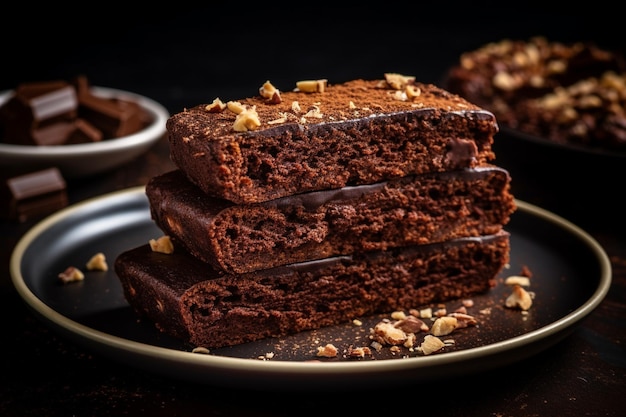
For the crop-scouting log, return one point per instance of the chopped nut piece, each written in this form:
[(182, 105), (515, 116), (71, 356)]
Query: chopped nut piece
[(97, 263), (376, 345), (517, 280), (200, 349), (328, 351), (394, 349), (519, 298), (443, 326), (398, 81), (387, 333), (430, 344), (269, 92), (216, 107), (412, 92), (468, 303), (399, 95), (277, 121), (235, 106), (505, 81), (312, 86), (314, 112), (359, 352), (71, 274), (398, 315), (463, 320), (163, 244), (426, 313), (410, 341), (248, 119), (411, 324)]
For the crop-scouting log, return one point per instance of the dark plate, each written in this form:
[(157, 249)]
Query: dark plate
[(572, 275)]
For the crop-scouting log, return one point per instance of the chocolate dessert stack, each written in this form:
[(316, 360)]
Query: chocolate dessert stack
[(291, 211)]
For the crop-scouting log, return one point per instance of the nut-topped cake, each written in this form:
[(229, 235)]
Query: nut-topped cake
[(324, 136), (298, 210)]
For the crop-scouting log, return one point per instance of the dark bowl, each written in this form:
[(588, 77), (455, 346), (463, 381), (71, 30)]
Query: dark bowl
[(579, 183)]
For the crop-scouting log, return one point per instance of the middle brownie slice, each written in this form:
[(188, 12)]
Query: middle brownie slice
[(420, 209)]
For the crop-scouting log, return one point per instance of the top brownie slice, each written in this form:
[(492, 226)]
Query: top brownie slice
[(330, 136)]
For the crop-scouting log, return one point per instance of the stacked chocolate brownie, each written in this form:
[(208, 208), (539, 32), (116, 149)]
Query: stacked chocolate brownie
[(291, 211)]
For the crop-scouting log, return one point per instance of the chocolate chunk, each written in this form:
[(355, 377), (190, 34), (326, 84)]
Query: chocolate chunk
[(62, 113), (33, 194), (84, 132), (38, 112), (115, 118)]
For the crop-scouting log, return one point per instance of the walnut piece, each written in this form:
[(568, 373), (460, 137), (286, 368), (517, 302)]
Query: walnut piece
[(443, 326), (312, 86), (386, 333), (248, 119), (359, 352), (328, 351), (270, 93), (430, 344), (97, 263), (216, 107), (519, 298), (71, 274), (163, 244), (399, 81), (463, 320), (411, 324), (235, 107), (517, 280)]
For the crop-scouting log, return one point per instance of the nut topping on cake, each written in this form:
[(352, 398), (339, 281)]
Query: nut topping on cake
[(216, 107), (312, 86), (248, 119), (399, 81), (269, 92)]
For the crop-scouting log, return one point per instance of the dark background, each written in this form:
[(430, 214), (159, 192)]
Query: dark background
[(182, 55)]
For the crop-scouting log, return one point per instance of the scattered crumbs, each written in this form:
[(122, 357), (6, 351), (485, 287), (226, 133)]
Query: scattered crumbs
[(266, 357), (359, 352)]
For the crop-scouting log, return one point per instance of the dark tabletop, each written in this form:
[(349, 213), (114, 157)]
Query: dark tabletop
[(181, 57)]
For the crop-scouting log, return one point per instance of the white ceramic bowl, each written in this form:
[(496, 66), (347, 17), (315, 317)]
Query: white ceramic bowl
[(86, 159)]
